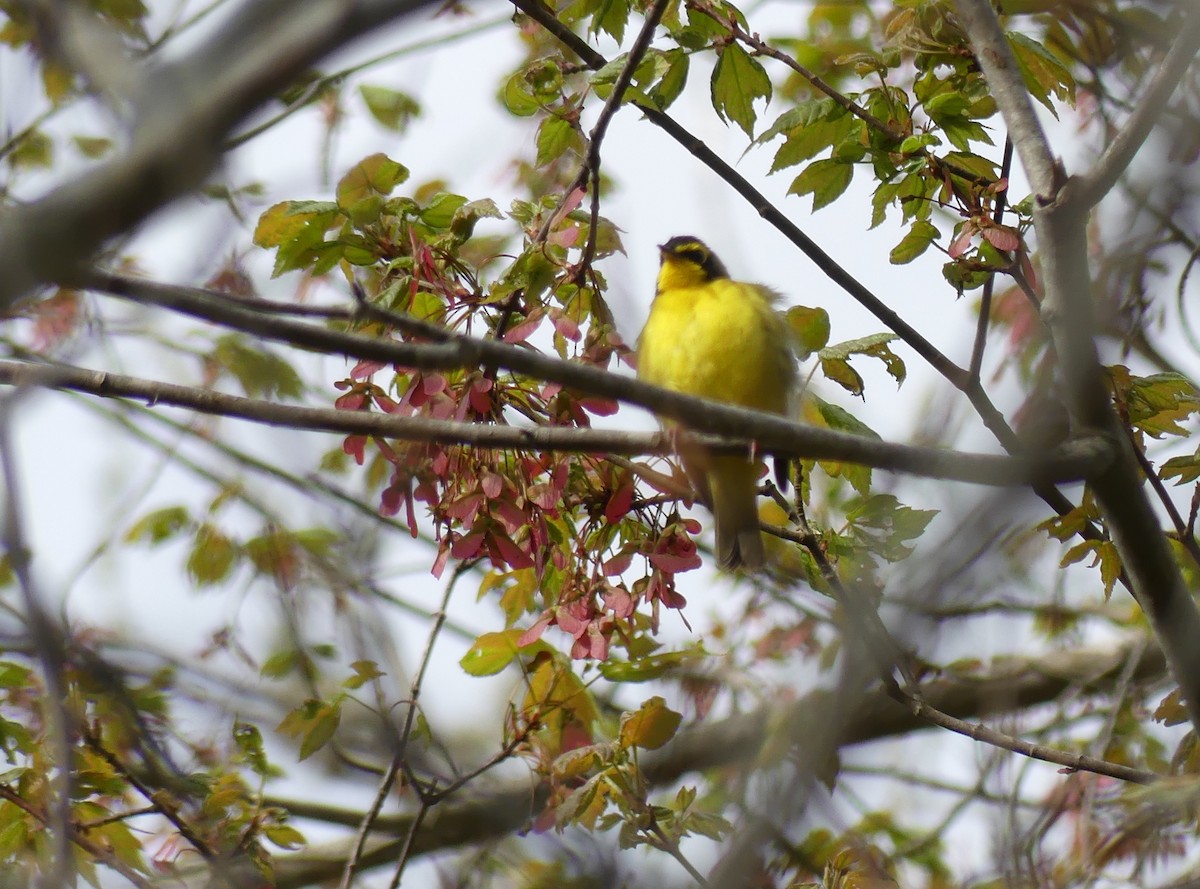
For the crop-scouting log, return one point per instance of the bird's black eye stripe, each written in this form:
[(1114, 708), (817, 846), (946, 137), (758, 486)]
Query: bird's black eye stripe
[(697, 255)]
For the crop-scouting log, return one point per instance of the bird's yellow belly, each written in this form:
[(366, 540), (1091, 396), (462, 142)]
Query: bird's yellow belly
[(718, 341)]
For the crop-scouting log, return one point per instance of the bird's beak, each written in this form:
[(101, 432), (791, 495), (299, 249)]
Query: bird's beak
[(662, 248)]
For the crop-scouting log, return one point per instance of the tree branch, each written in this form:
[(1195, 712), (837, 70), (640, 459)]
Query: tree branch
[(184, 116), (1075, 460), (1089, 189), (1068, 309), (995, 57), (1011, 685)]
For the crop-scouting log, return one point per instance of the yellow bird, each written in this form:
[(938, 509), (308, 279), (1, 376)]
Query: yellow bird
[(710, 336)]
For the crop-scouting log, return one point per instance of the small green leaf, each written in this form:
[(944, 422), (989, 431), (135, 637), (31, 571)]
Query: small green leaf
[(297, 229), (491, 653), (838, 370), (364, 672), (259, 371), (249, 741), (825, 180), (34, 150), (160, 525), (92, 147), (361, 191), (284, 836), (280, 664), (611, 17), (556, 136), (650, 726), (212, 557), (321, 730), (1042, 71), (518, 97), (914, 243), (392, 108), (1185, 468), (737, 80), (440, 211), (462, 224), (837, 417), (810, 329), (672, 81)]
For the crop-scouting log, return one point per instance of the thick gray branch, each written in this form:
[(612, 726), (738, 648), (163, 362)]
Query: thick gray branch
[(1067, 307), (995, 57), (1075, 460), (185, 113)]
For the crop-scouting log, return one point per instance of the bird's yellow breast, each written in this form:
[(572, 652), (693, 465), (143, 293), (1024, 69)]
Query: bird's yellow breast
[(720, 339)]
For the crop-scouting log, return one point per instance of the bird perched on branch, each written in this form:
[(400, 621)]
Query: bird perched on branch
[(710, 336)]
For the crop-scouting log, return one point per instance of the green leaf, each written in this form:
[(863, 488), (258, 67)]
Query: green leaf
[(650, 726), (491, 653), (160, 525), (914, 243), (644, 669), (962, 132), (825, 180), (875, 346), (284, 836), (280, 664), (212, 557), (837, 369), (462, 224), (92, 147), (249, 741), (737, 80), (364, 672), (260, 372), (611, 16), (34, 150), (1044, 74), (885, 525), (810, 329), (361, 191), (439, 213), (837, 417), (392, 108), (1186, 469), (555, 137), (670, 84), (297, 229), (320, 730), (518, 97), (1104, 553)]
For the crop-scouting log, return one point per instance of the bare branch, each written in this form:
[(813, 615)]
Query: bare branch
[(1075, 460), (1089, 189)]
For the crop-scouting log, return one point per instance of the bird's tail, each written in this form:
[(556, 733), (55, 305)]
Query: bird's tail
[(733, 487)]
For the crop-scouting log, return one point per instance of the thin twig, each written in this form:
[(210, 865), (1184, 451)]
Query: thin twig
[(985, 301), (394, 768), (1186, 540), (1074, 761), (1089, 189)]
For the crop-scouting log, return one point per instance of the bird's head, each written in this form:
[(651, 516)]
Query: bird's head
[(687, 262)]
